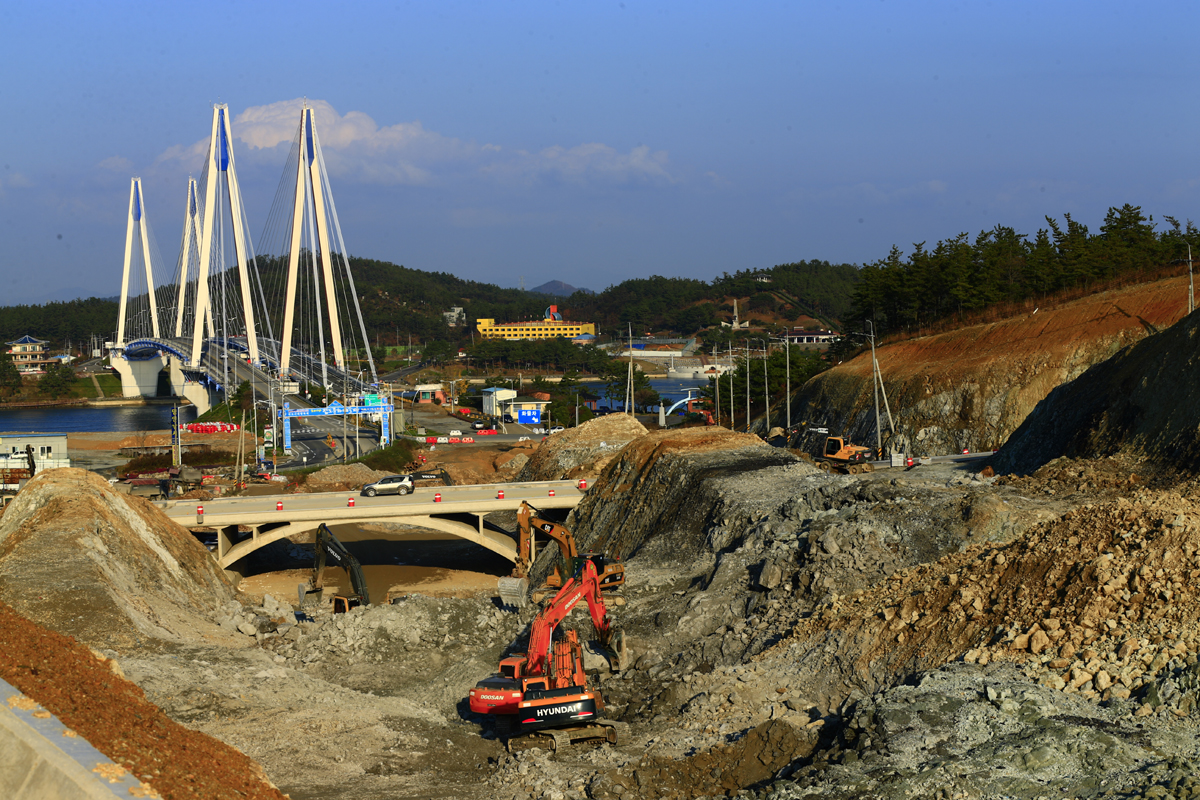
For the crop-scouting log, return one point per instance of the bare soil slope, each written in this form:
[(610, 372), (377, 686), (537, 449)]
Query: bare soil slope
[(1143, 403), (974, 386)]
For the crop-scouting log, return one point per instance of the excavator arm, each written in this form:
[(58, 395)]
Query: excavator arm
[(584, 585), (329, 545)]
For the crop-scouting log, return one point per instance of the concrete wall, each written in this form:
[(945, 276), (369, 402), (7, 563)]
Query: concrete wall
[(41, 759)]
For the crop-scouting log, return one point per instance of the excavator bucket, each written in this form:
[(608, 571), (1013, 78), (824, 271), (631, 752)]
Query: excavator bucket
[(618, 651), (514, 592)]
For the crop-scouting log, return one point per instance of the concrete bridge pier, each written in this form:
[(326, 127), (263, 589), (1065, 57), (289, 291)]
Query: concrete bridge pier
[(200, 395), (138, 378)]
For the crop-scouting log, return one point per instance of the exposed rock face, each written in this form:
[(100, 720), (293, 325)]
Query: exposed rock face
[(581, 452), (103, 567), (664, 490), (973, 387), (1143, 403)]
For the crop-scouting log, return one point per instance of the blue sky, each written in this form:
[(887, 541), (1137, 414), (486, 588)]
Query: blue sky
[(594, 142)]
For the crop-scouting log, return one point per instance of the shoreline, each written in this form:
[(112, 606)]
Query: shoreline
[(97, 402)]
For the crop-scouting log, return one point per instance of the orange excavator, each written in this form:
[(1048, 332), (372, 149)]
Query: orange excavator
[(543, 695), (513, 589), (841, 456)]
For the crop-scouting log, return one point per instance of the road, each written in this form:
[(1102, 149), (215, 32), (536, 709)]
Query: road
[(536, 492)]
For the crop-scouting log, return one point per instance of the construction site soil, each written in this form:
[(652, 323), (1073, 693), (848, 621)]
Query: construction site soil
[(934, 631)]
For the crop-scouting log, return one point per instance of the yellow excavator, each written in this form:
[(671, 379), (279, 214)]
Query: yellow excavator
[(515, 589), (839, 455)]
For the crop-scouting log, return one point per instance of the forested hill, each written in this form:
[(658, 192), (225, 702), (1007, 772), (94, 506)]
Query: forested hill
[(1003, 266), (398, 301), (956, 276)]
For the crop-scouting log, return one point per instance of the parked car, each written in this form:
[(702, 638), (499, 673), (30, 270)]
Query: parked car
[(557, 429), (479, 425), (392, 484)]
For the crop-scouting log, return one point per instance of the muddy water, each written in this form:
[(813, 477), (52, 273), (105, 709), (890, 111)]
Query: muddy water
[(399, 559)]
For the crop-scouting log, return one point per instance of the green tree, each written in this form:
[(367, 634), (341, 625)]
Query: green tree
[(57, 381), (10, 376)]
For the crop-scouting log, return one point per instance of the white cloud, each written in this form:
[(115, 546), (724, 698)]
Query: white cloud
[(357, 149), (583, 164)]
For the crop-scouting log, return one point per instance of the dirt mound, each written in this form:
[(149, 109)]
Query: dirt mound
[(343, 478), (1143, 402), (87, 693), (581, 452), (106, 568), (1100, 602)]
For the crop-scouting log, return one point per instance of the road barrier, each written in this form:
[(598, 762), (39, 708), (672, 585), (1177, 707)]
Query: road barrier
[(350, 503), (279, 505)]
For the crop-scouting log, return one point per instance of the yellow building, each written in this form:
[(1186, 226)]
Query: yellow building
[(551, 327)]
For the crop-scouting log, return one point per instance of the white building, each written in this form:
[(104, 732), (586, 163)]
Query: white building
[(49, 452), (494, 400)]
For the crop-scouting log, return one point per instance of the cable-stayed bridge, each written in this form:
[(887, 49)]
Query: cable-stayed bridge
[(223, 313)]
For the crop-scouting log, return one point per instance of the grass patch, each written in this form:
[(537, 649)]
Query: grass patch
[(162, 461), (393, 458)]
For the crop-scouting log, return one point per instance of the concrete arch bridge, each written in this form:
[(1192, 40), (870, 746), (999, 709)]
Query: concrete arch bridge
[(460, 513)]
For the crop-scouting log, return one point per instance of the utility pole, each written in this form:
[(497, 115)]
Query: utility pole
[(766, 397), (717, 387), (629, 379), (1191, 285), (732, 408), (787, 350), (747, 386), (877, 377)]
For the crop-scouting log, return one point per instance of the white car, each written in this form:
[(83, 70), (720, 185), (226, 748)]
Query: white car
[(456, 433), (557, 429)]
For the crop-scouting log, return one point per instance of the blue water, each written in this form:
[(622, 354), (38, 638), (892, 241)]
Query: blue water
[(88, 420)]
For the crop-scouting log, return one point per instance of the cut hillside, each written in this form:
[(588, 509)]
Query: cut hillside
[(663, 490), (1142, 404), (974, 386), (109, 569)]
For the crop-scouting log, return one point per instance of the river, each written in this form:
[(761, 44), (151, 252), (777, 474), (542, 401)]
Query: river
[(77, 419)]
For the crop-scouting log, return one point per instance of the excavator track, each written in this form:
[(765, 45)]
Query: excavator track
[(618, 732)]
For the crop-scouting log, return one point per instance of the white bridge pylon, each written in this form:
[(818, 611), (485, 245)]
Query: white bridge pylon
[(220, 164), (313, 211), (136, 229)]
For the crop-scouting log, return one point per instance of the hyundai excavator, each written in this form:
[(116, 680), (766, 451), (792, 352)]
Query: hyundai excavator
[(327, 543), (839, 455), (513, 589), (543, 695)]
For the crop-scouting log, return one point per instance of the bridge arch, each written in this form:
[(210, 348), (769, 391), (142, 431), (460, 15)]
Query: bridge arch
[(464, 525)]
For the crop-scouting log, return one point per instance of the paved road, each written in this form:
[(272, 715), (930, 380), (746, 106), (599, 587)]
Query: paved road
[(536, 492)]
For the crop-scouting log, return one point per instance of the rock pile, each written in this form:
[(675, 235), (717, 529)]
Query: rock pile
[(342, 478), (581, 452), (1099, 603)]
